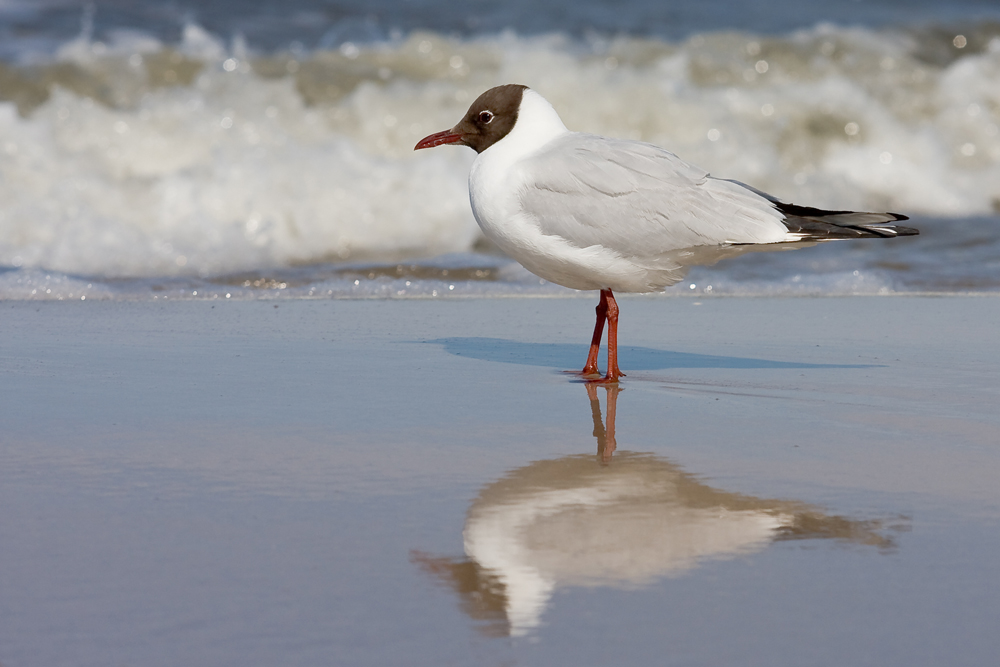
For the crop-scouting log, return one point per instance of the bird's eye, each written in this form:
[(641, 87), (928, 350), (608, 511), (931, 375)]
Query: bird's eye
[(485, 116)]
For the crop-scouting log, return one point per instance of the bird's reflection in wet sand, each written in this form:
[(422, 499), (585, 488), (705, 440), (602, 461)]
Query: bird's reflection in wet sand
[(606, 444), (621, 520)]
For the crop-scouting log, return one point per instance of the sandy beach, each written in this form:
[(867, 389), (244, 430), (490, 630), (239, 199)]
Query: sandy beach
[(370, 482)]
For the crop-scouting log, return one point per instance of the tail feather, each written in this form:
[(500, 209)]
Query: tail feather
[(814, 224), (806, 223)]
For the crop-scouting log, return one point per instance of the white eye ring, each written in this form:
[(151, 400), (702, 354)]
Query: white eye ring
[(486, 117)]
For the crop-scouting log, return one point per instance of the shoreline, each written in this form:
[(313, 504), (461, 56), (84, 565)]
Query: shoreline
[(512, 296)]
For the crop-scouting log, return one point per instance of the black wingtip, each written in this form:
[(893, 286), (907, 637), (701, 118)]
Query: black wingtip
[(814, 224)]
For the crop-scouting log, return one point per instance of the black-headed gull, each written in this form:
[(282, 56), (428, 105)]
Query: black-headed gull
[(594, 213)]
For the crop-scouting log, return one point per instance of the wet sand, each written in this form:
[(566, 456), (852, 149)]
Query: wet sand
[(776, 482)]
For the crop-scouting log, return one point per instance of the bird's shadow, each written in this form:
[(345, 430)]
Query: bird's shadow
[(564, 356)]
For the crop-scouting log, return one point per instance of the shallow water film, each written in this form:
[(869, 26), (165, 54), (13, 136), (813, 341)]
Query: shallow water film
[(398, 483)]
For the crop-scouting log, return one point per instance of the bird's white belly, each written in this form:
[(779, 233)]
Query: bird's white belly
[(497, 207)]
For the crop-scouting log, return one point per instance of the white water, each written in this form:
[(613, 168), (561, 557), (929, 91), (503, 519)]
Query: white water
[(201, 158)]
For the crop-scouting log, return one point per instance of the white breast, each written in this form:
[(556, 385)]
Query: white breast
[(495, 182)]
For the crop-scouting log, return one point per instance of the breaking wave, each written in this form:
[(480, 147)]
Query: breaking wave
[(130, 157)]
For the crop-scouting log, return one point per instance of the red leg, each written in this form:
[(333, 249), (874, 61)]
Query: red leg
[(613, 371), (595, 343)]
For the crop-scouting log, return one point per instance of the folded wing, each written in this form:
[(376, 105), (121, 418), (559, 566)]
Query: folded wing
[(639, 199), (643, 201)]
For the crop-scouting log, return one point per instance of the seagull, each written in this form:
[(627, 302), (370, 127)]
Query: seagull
[(615, 215)]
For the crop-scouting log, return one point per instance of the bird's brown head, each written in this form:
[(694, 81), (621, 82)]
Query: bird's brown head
[(490, 118)]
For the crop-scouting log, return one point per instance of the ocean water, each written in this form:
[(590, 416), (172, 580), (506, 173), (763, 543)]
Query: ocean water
[(264, 150)]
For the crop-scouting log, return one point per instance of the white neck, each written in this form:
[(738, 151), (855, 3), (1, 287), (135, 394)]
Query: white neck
[(537, 124)]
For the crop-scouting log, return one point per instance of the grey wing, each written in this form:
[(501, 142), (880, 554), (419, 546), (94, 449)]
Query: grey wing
[(639, 199)]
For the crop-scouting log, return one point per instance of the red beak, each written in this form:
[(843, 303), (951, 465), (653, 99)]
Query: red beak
[(437, 139)]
